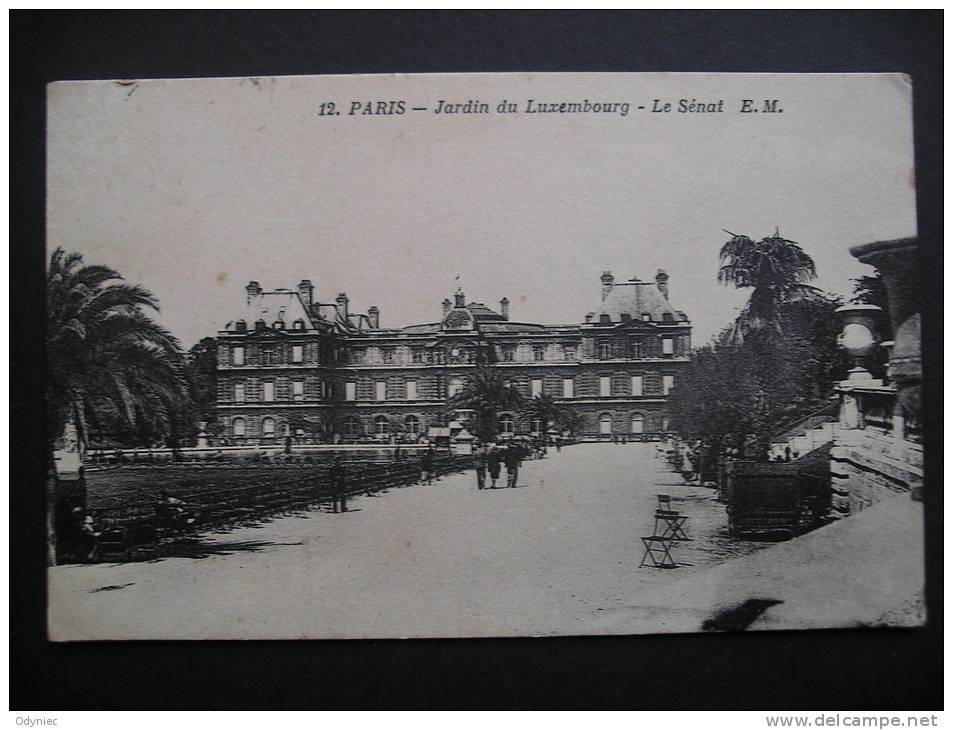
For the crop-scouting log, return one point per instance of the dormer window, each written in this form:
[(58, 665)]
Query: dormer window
[(646, 317), (241, 326), (667, 317), (605, 319), (260, 325), (625, 316), (298, 324), (278, 325)]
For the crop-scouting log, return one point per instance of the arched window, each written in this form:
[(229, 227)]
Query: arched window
[(605, 423), (284, 430), (298, 324), (381, 425), (241, 326), (507, 424), (535, 426), (637, 423), (268, 427), (352, 426), (412, 425), (238, 427)]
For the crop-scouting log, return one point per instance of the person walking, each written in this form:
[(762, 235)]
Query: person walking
[(426, 466), (512, 461), (493, 465), (480, 461), (337, 478)]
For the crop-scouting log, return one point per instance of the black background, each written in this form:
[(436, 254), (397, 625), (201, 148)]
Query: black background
[(859, 669)]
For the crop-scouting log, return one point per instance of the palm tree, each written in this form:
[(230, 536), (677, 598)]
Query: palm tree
[(546, 409), (778, 271), (486, 394), (106, 356)]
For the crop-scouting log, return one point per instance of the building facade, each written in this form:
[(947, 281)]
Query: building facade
[(291, 365)]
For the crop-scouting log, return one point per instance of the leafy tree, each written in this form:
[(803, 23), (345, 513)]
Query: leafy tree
[(200, 372), (105, 355), (749, 389), (487, 394), (776, 269)]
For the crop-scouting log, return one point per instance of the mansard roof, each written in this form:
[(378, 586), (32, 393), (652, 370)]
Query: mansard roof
[(279, 305), (636, 298), (482, 312)]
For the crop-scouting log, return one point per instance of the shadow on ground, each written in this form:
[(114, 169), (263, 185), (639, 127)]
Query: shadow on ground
[(740, 617), (194, 547)]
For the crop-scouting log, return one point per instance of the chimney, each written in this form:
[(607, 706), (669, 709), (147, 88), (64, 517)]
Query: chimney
[(374, 314), (446, 307), (607, 280), (342, 305), (505, 308), (306, 292), (459, 299), (253, 289), (661, 279)]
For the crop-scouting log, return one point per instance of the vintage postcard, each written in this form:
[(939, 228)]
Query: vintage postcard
[(482, 355)]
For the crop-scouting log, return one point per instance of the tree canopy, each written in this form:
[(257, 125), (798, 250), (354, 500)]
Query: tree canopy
[(487, 394), (108, 361), (776, 269)]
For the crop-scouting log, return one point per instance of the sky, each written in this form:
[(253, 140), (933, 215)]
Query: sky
[(192, 188)]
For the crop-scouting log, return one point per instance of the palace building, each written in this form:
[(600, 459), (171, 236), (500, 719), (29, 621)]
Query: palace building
[(292, 365)]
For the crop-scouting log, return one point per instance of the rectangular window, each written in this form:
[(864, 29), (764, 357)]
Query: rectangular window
[(411, 390), (507, 354), (539, 354), (350, 391), (267, 356), (537, 388), (636, 347), (388, 354), (381, 391), (605, 351), (268, 391), (297, 353), (297, 390), (668, 382), (239, 392), (567, 388), (417, 355), (636, 385), (667, 346), (238, 356), (570, 353), (605, 386)]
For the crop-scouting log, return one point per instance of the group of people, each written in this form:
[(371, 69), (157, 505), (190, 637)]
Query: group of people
[(490, 459)]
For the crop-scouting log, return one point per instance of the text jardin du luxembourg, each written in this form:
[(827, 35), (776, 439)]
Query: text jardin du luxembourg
[(398, 107)]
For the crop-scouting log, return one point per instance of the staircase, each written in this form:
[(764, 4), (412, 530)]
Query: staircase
[(806, 434)]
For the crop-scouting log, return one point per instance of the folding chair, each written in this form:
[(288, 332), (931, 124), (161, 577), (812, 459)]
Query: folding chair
[(658, 550), (672, 524)]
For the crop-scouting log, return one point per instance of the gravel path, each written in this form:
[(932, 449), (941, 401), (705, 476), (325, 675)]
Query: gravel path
[(557, 555)]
